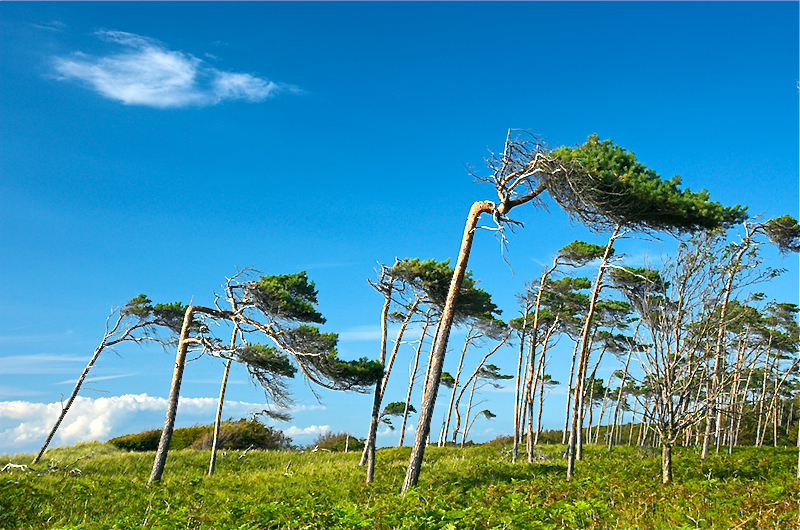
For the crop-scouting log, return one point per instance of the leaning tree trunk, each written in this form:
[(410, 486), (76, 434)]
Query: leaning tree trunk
[(381, 390), (65, 408), (443, 440), (172, 402), (218, 417), (570, 392), (413, 376), (713, 416), (575, 433), (442, 336), (376, 402)]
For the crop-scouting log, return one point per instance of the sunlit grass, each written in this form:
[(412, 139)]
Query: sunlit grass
[(474, 488)]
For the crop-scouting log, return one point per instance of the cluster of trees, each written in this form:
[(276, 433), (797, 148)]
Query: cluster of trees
[(702, 357)]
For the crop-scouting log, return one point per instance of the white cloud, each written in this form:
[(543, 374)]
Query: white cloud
[(24, 425), (147, 73), (312, 429)]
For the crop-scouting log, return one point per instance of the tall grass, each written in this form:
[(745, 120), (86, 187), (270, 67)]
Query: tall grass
[(473, 488)]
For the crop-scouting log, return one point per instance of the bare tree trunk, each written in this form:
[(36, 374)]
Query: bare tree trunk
[(619, 394), (437, 360), (381, 389), (443, 441), (575, 434), (713, 410), (515, 446), (541, 405), (65, 408), (218, 417), (172, 402), (107, 342), (666, 463), (376, 398), (570, 393), (413, 376), (466, 416)]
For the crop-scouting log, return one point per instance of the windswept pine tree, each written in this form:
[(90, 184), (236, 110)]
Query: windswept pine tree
[(272, 307), (597, 183)]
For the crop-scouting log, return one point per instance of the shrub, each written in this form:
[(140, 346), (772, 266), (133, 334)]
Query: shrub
[(239, 434), (337, 441), (143, 441), (242, 434)]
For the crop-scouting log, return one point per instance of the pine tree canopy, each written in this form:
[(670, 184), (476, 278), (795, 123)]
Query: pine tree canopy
[(604, 185)]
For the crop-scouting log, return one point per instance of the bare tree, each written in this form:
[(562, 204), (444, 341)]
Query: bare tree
[(137, 321)]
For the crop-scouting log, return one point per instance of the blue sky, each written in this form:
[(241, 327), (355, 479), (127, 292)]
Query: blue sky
[(156, 147)]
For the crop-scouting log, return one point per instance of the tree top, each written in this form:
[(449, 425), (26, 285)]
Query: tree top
[(605, 185)]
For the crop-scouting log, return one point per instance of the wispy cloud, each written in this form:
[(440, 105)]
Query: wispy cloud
[(53, 25), (360, 334), (311, 429), (24, 425), (41, 363), (145, 72), (93, 379)]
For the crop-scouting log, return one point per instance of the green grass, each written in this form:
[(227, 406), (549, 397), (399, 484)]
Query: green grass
[(474, 488)]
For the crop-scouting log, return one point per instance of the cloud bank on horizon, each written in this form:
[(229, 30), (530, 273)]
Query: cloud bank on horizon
[(24, 425), (147, 73)]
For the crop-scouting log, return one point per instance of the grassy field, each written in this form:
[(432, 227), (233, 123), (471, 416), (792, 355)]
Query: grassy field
[(473, 488)]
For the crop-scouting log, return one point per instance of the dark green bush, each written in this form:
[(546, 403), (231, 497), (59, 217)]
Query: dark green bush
[(337, 441), (239, 434), (242, 434), (143, 441)]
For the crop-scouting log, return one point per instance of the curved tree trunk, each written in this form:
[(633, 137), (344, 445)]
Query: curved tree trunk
[(437, 359)]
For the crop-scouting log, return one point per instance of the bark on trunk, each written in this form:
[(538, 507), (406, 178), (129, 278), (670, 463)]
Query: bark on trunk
[(437, 359), (172, 402), (666, 463), (218, 417)]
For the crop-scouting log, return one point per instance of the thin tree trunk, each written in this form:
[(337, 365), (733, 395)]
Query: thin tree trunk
[(443, 440), (376, 398), (218, 417), (575, 434), (381, 390), (619, 394), (413, 376), (174, 393), (565, 432), (65, 408), (518, 380)]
